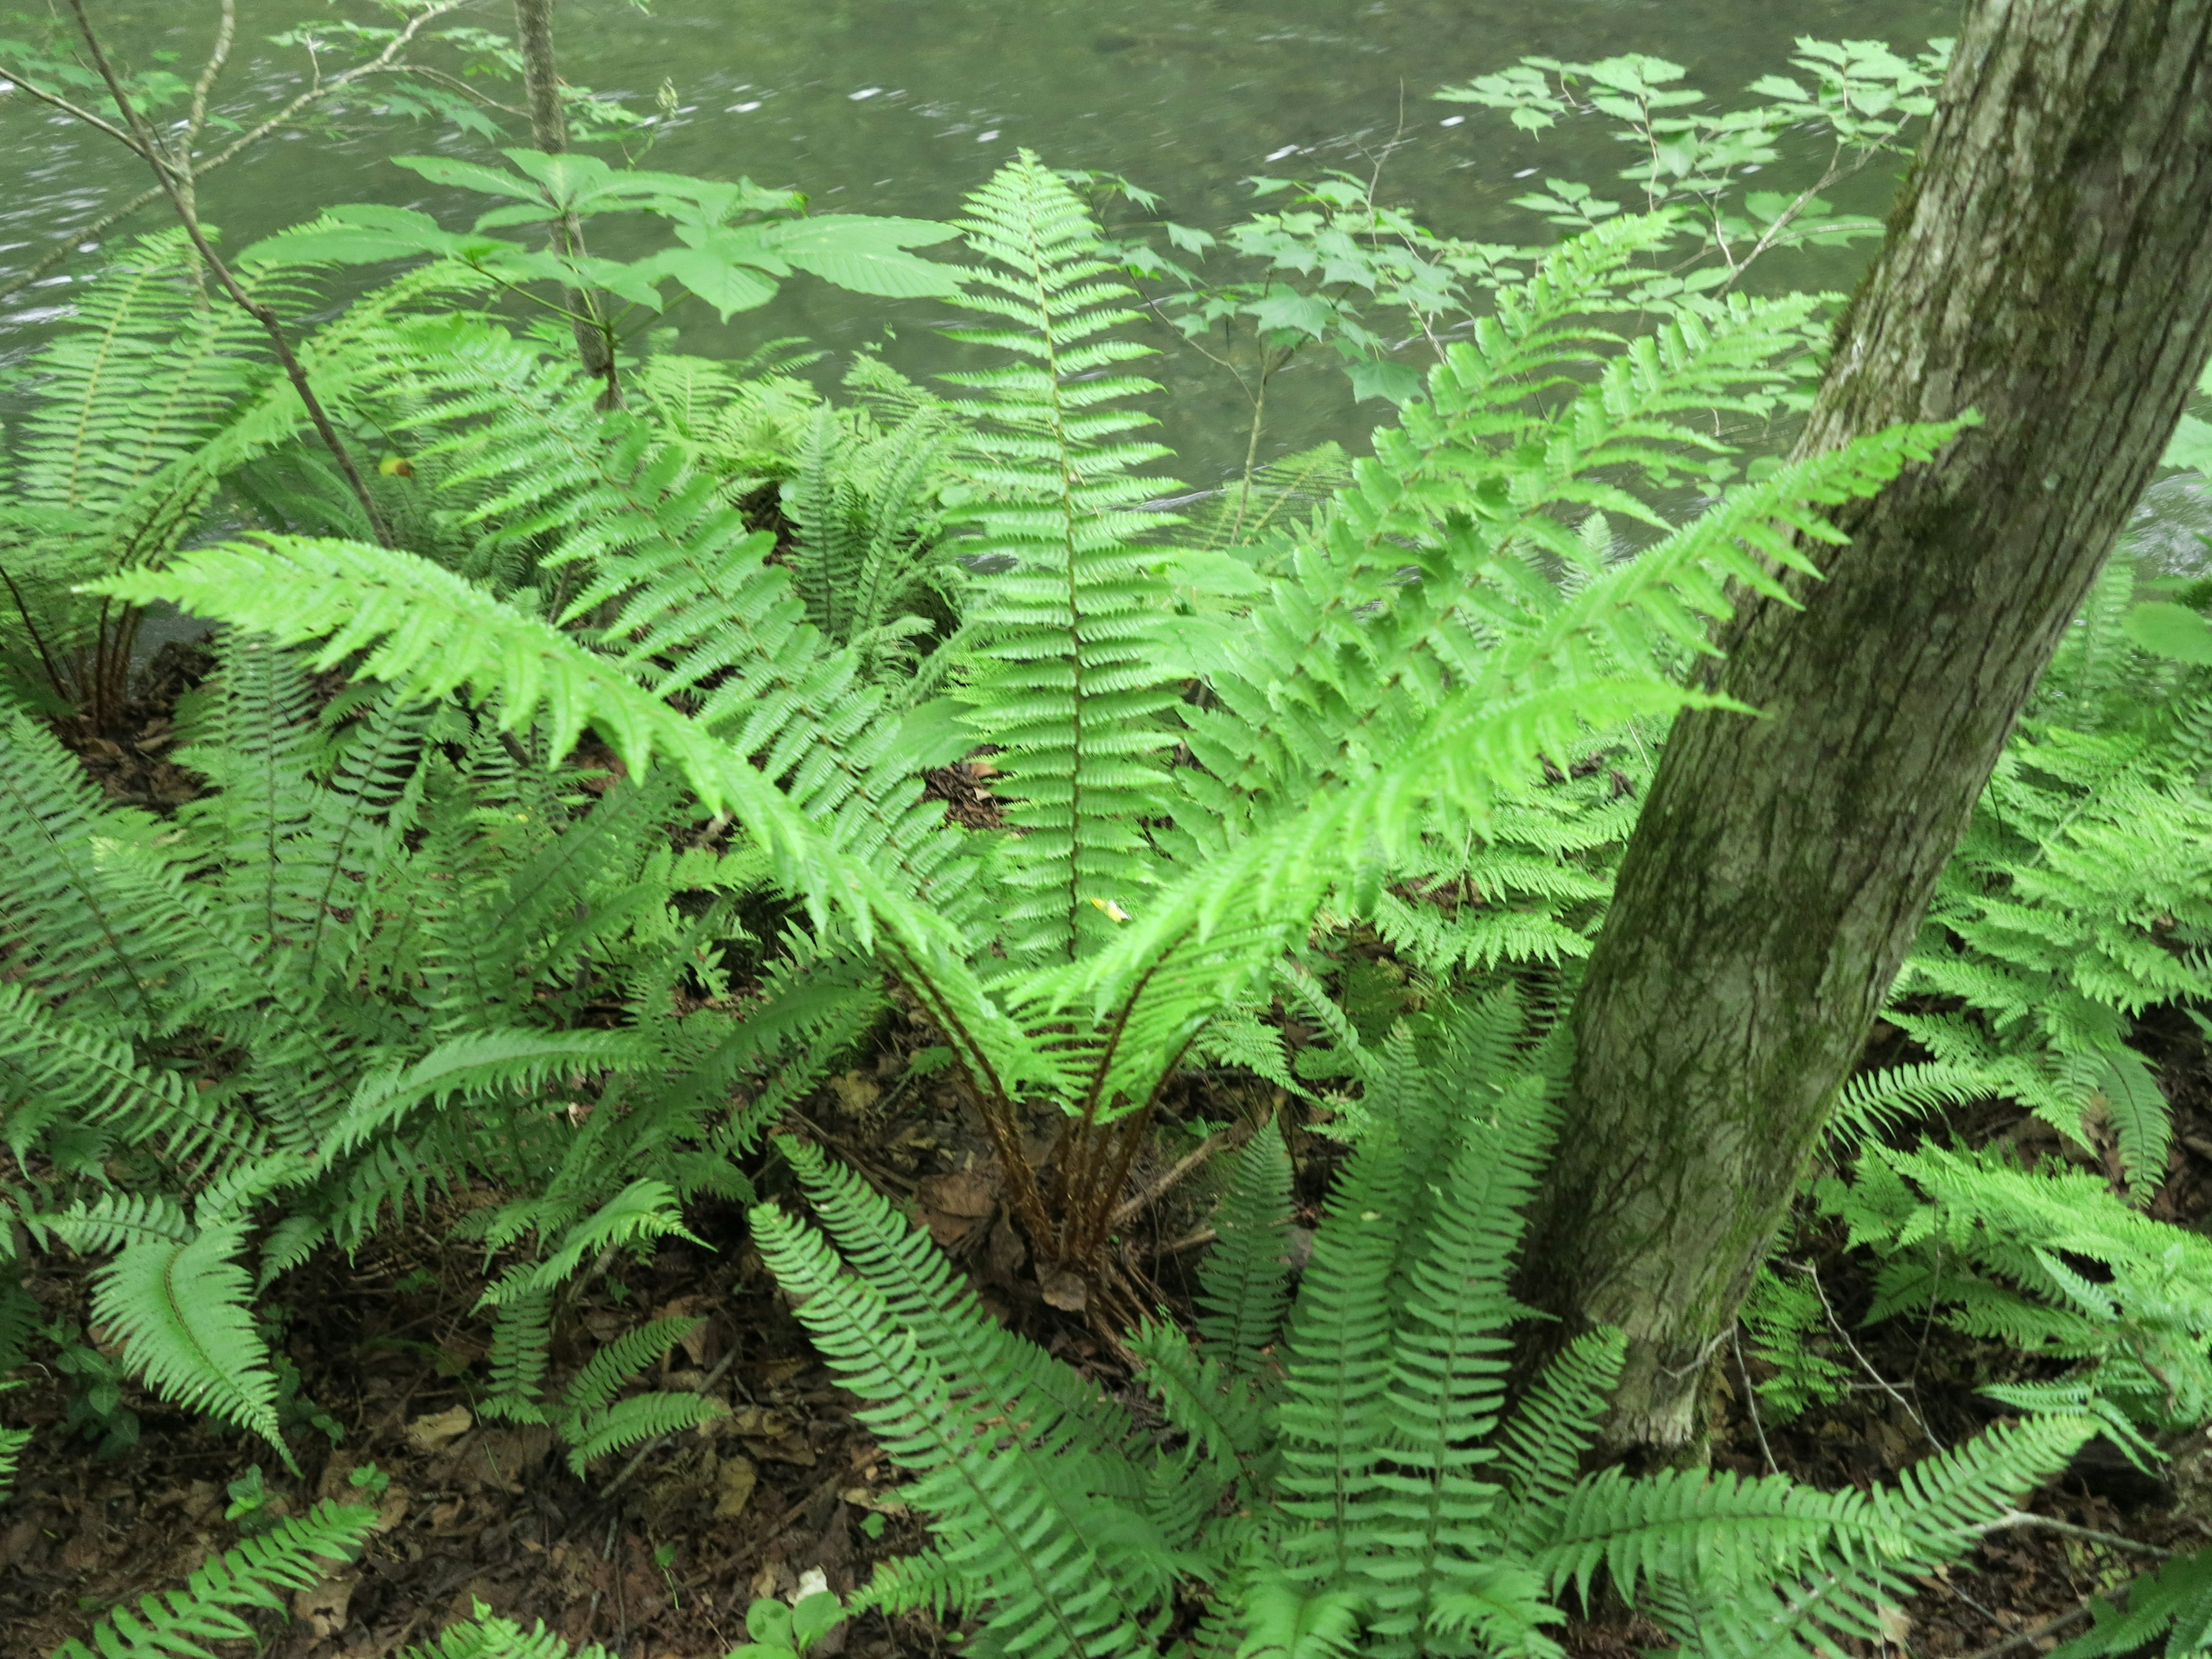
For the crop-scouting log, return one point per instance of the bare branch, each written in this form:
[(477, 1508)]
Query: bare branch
[(384, 63), (261, 313), (77, 112)]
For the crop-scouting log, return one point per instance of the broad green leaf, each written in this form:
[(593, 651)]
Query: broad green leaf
[(866, 253), (2190, 446), (469, 175), (1381, 378), (726, 286), (1303, 314), (2167, 629)]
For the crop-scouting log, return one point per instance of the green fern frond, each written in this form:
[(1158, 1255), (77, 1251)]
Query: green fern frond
[(1031, 1527), (2174, 1600), (179, 1312), (487, 1636), (1541, 1447), (296, 1555), (593, 1433), (939, 1311), (616, 1361), (1244, 1281), (1063, 684)]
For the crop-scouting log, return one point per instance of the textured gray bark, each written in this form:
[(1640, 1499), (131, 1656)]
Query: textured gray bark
[(2050, 266), (549, 131)]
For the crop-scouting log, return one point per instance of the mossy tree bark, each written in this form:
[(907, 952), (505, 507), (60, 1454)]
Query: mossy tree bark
[(2050, 265)]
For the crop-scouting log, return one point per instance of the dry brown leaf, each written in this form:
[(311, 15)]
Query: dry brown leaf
[(759, 1423), (436, 1428), (1063, 1290), (1004, 1251), (862, 1498), (323, 1607), (393, 1509), (964, 1193), (735, 1485), (854, 1092)]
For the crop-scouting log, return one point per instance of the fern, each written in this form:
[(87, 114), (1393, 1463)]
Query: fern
[(1064, 683), (1376, 1496), (1244, 1284), (293, 1555), (1989, 1248), (1437, 661), (2174, 1601)]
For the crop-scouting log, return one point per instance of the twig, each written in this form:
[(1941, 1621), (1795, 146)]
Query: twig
[(2033, 1634), (1130, 1209), (261, 313), (1886, 1387), (383, 63), (2088, 1534), (1751, 1399), (77, 112)]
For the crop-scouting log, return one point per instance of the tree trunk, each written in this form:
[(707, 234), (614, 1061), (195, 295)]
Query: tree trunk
[(2050, 265), (549, 130)]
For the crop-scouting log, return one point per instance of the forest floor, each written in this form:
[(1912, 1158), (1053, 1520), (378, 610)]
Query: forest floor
[(658, 1555)]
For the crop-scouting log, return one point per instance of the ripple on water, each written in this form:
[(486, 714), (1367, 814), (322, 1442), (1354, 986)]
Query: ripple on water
[(2172, 528)]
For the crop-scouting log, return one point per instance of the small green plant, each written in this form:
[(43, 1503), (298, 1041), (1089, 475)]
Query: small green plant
[(779, 1632), (2172, 1602), (253, 1506)]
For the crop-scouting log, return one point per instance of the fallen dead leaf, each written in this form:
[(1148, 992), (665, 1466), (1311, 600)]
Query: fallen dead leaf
[(964, 1193), (1063, 1290), (430, 1432), (759, 1423), (854, 1092), (953, 1205), (393, 1509), (606, 1323), (862, 1498), (1896, 1623), (1004, 1251), (734, 1485), (323, 1607)]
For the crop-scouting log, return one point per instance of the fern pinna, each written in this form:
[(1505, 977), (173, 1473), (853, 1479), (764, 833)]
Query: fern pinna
[(1348, 1478), (1404, 682)]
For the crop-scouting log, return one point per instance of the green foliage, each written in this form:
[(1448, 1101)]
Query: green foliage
[(1787, 1328), (2174, 1601), (228, 1004), (1351, 1480), (2052, 1264), (1858, 94), (1435, 655), (293, 1555)]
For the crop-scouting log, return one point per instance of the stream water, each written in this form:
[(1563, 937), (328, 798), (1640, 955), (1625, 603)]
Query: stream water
[(900, 106)]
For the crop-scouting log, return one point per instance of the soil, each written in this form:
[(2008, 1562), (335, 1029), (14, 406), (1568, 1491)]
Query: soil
[(657, 1555)]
